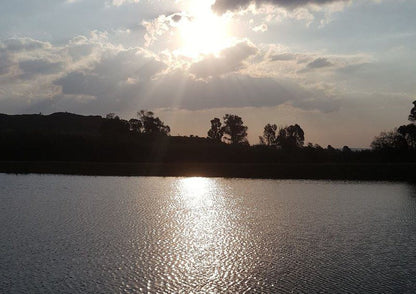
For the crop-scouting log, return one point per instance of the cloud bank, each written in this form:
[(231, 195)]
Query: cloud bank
[(222, 6), (89, 74)]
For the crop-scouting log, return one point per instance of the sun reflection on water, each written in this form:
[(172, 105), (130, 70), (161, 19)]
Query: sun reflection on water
[(201, 233), (205, 247), (197, 191)]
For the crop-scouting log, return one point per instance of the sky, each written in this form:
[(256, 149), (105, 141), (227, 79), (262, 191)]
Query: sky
[(343, 70)]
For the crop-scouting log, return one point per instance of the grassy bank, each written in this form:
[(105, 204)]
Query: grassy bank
[(324, 171)]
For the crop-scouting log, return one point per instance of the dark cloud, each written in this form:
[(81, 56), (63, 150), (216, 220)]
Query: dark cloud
[(222, 6), (125, 64), (130, 79), (114, 80), (80, 51), (235, 90), (78, 83), (22, 44), (11, 49), (5, 63), (176, 17), (31, 68), (180, 91), (319, 63)]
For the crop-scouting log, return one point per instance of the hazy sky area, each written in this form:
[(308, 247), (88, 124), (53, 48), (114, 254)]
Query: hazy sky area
[(343, 70)]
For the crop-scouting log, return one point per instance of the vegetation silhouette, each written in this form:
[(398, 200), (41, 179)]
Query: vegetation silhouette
[(291, 137), (71, 143), (399, 139), (269, 135), (216, 131)]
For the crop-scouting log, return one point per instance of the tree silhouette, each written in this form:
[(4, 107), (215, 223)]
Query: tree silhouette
[(412, 116), (113, 125), (112, 115), (135, 125), (330, 148), (235, 132), (291, 137), (409, 133), (346, 149), (269, 135), (215, 132), (399, 139), (388, 141), (151, 125)]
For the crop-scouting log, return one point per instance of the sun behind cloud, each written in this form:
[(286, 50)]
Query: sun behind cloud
[(203, 32)]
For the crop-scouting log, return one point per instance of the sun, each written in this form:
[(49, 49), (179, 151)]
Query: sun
[(203, 32)]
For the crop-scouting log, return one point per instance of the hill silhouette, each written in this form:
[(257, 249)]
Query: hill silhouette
[(56, 123)]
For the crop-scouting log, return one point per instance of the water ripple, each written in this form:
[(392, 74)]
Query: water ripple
[(198, 235)]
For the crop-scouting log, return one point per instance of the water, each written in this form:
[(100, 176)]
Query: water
[(63, 234)]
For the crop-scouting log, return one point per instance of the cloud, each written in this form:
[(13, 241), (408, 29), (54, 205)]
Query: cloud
[(160, 26), (261, 28), (222, 6), (319, 63), (5, 63), (121, 2), (179, 90), (229, 60), (283, 57), (234, 90), (23, 44), (324, 104), (34, 67), (113, 76), (28, 67), (91, 75)]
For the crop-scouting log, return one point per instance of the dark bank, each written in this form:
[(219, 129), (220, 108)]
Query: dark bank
[(65, 143)]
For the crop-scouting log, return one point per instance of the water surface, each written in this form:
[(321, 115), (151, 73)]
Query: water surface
[(170, 235)]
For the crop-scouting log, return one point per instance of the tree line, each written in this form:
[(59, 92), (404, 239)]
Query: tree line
[(402, 138), (146, 138), (145, 123), (231, 130), (72, 137)]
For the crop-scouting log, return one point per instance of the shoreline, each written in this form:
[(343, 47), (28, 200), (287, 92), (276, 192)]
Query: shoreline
[(311, 171)]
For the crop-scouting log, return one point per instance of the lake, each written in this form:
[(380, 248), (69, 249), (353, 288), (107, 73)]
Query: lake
[(67, 234)]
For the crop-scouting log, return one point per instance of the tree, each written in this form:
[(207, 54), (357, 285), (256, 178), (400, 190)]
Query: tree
[(135, 125), (113, 125), (151, 125), (409, 134), (330, 148), (215, 132), (402, 138), (346, 149), (235, 132), (391, 140), (269, 135), (412, 116), (290, 137), (112, 115)]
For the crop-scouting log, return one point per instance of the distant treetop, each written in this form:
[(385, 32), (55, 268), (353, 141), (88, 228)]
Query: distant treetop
[(412, 116)]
